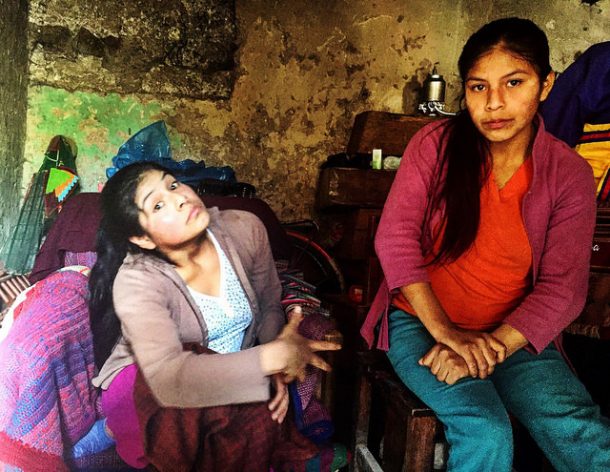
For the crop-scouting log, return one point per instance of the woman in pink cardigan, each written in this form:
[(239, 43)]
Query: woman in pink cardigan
[(485, 244)]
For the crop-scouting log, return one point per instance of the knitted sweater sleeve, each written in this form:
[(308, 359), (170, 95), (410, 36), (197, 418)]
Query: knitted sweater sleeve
[(400, 235)]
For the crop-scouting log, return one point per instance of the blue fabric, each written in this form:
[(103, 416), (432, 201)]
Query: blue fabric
[(96, 440), (152, 144), (539, 390), (580, 95)]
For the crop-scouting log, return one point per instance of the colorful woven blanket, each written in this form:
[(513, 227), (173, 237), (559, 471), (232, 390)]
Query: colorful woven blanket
[(47, 401)]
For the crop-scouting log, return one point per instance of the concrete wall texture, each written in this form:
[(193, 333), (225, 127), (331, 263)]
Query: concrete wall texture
[(302, 70)]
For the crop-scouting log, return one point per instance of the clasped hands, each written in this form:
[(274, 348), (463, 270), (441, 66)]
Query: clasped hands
[(464, 353)]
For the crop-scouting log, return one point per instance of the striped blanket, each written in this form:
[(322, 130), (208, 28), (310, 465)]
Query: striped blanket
[(47, 401)]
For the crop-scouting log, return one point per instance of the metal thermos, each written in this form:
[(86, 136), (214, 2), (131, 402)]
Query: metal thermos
[(434, 87)]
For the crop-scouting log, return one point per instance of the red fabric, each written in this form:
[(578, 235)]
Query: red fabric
[(229, 438), (27, 458)]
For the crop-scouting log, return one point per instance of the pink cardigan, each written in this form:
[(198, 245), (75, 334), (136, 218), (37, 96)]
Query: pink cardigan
[(559, 217)]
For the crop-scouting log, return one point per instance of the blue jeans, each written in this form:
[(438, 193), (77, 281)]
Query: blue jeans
[(539, 390)]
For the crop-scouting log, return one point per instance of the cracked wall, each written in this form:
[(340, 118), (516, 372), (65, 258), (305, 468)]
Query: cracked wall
[(178, 48), (302, 71)]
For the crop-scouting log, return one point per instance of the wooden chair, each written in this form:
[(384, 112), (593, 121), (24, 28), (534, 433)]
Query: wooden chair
[(405, 438), (395, 432)]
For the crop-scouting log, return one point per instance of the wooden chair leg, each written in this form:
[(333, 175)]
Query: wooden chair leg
[(363, 409), (326, 389), (410, 429), (401, 430), (363, 460), (419, 444)]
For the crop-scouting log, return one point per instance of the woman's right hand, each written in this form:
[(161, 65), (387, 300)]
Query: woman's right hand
[(481, 351), (290, 353)]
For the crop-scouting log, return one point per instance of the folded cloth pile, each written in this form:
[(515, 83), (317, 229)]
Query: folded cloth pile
[(47, 401), (311, 416)]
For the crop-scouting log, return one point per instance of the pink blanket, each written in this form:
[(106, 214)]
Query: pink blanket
[(47, 401)]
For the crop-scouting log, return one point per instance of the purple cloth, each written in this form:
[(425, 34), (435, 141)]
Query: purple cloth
[(76, 226), (119, 407), (86, 259), (312, 411), (580, 95), (311, 416), (74, 230), (559, 217), (47, 401)]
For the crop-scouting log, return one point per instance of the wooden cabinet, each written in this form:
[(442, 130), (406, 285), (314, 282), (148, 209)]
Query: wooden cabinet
[(594, 320), (355, 251), (359, 228), (389, 132), (355, 256), (353, 188), (352, 199)]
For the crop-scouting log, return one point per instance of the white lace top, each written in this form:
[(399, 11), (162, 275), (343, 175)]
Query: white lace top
[(228, 315)]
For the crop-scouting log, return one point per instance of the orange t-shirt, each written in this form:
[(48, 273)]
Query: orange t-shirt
[(488, 281)]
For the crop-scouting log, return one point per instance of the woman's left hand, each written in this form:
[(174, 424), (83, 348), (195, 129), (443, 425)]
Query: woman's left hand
[(279, 403), (445, 364)]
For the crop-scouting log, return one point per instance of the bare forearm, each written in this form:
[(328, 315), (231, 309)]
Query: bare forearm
[(510, 337), (481, 351), (428, 309)]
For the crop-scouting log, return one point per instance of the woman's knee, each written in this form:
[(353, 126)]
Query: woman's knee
[(479, 441), (484, 427)]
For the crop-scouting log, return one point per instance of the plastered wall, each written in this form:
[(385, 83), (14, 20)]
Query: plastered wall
[(302, 70)]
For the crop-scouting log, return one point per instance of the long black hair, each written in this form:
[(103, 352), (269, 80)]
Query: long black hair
[(120, 221), (464, 164)]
